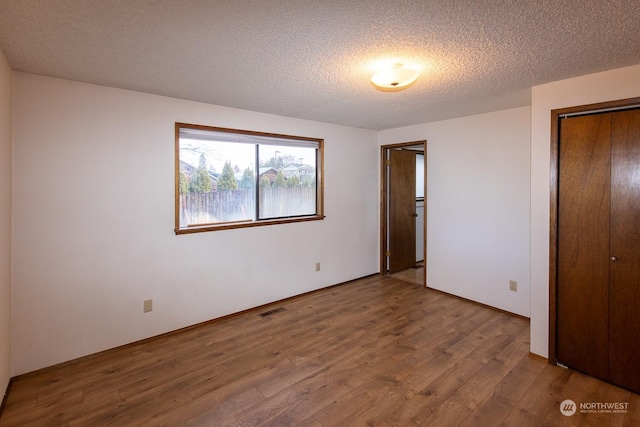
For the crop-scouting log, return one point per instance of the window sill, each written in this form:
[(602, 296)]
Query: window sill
[(247, 224)]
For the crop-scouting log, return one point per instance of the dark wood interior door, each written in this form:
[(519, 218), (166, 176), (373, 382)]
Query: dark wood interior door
[(624, 293), (598, 283), (402, 210), (583, 244)]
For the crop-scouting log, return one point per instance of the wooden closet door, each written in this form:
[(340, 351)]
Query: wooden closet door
[(624, 294), (583, 244)]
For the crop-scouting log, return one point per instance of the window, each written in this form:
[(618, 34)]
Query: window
[(419, 176), (228, 178)]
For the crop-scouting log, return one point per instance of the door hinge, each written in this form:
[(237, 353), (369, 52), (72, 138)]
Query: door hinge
[(387, 162), (388, 253)]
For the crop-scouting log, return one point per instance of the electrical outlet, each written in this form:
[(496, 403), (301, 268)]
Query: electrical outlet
[(147, 305), (317, 266), (513, 285)]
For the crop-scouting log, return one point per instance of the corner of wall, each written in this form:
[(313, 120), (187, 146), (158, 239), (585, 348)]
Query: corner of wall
[(5, 222)]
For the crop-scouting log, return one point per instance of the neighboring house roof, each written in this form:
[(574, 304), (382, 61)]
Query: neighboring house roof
[(264, 170), (298, 169), (186, 167), (297, 166)]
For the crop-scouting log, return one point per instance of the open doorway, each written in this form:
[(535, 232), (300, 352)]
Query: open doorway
[(403, 231)]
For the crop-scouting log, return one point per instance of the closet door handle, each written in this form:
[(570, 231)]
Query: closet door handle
[(613, 258)]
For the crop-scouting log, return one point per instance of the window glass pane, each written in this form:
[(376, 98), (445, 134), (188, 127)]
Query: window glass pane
[(287, 185), (217, 182), (419, 176)]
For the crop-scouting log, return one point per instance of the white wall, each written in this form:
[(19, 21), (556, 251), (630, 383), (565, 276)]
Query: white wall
[(5, 224), (608, 86), (93, 187), (477, 205)]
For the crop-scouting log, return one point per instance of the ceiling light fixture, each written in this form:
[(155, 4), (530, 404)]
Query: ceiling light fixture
[(397, 77)]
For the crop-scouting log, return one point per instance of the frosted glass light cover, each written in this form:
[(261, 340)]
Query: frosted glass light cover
[(396, 77)]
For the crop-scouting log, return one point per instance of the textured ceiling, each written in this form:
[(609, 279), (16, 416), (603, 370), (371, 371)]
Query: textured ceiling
[(313, 59)]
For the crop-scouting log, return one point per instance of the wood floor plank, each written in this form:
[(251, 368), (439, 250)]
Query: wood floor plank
[(480, 385), (505, 395), (375, 400), (213, 409), (633, 416), (541, 399), (449, 370), (376, 351), (294, 404)]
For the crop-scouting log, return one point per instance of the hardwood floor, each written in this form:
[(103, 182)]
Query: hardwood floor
[(413, 275), (376, 351)]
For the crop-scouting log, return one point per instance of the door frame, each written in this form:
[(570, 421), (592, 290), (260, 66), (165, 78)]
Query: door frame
[(384, 201), (556, 115)]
